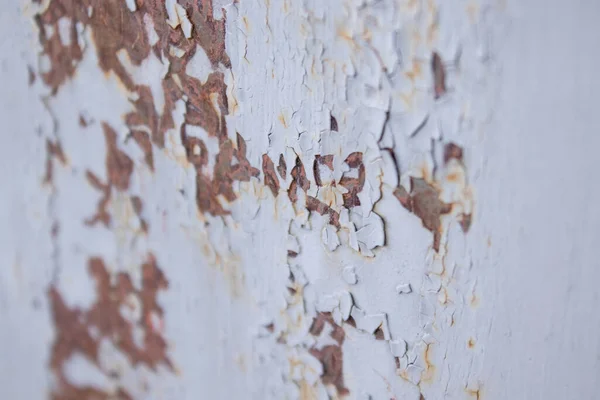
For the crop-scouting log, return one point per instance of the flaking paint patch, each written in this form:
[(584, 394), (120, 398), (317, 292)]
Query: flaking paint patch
[(339, 178)]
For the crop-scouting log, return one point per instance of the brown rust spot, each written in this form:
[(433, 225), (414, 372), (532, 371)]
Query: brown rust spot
[(471, 343), (321, 160), (316, 205), (138, 207), (53, 150), (30, 75), (452, 151), (74, 326), (118, 164), (282, 167), (331, 356), (119, 168), (353, 185), (465, 222), (439, 75), (143, 141), (299, 180), (332, 359), (333, 125), (425, 203), (270, 177), (476, 393), (102, 214)]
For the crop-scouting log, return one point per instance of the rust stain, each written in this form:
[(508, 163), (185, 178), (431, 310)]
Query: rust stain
[(282, 167), (471, 343), (270, 178), (299, 180), (330, 356), (353, 185), (281, 119), (424, 202), (333, 125), (74, 326), (452, 151), (439, 75), (321, 160), (53, 150)]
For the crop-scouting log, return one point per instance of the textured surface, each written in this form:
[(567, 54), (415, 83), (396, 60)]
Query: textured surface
[(298, 199)]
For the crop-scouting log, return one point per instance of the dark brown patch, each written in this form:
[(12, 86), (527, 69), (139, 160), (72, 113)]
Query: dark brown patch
[(119, 168), (332, 359), (465, 222), (404, 197), (143, 140), (30, 75), (321, 160), (316, 205), (102, 214), (118, 164), (74, 326), (439, 75), (353, 185), (299, 180), (270, 177), (53, 150), (452, 151), (331, 356), (138, 207), (282, 168), (424, 202), (379, 334), (333, 125)]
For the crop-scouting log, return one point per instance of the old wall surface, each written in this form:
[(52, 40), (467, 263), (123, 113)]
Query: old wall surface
[(208, 199)]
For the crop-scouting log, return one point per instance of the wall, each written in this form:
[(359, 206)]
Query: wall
[(342, 199)]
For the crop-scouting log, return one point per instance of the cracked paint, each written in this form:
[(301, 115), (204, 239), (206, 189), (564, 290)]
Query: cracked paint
[(286, 145)]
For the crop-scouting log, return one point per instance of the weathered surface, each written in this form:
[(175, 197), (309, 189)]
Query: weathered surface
[(310, 199)]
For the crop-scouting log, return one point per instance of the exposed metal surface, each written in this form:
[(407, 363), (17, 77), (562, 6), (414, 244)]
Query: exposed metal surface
[(278, 199)]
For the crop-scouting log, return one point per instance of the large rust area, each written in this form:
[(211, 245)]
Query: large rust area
[(80, 331)]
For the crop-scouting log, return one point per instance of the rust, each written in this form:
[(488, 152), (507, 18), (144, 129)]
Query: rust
[(282, 167), (74, 326), (424, 202), (143, 141), (138, 207), (333, 125), (102, 214), (379, 334), (299, 180), (321, 160), (439, 75), (118, 164), (292, 254), (452, 151), (332, 359), (465, 222), (316, 205), (404, 197), (119, 168), (471, 343), (331, 356), (195, 150), (270, 177), (353, 185), (200, 110), (53, 150), (30, 75)]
